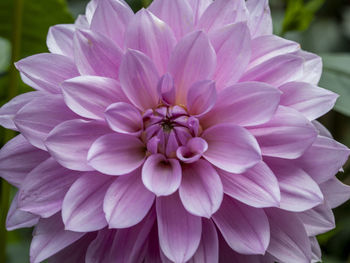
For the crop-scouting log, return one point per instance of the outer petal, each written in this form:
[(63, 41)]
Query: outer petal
[(223, 12), (201, 98), (46, 75), (260, 22), (193, 59), (245, 229), (335, 192), (231, 148), (140, 86), (116, 154), (257, 187), (201, 190), (99, 250), (82, 208), (44, 188), (176, 13), (316, 250), (289, 241), (70, 141), (96, 55), (49, 238), (18, 158), (152, 36), (276, 71), (198, 8), (287, 135), (10, 109), (160, 175), (119, 15), (244, 104), (323, 159), (179, 231), (312, 67), (208, 250), (60, 39), (310, 100), (37, 118), (233, 49), (127, 201)]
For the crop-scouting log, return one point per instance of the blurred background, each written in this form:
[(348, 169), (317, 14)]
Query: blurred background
[(320, 26)]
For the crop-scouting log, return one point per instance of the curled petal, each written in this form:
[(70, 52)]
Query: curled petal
[(193, 150)]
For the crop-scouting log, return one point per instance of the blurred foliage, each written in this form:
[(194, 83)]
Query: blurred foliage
[(320, 26)]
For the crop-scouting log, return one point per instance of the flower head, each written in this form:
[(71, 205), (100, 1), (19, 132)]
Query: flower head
[(185, 132)]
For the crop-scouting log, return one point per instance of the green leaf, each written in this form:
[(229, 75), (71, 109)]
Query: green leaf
[(5, 55), (336, 77)]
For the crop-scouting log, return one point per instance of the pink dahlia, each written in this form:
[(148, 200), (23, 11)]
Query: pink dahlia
[(183, 133)]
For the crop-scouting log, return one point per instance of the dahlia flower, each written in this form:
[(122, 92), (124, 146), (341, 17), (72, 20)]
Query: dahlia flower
[(183, 133)]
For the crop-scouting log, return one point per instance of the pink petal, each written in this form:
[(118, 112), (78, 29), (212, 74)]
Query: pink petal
[(276, 71), (201, 190), (141, 86), (37, 118), (46, 75), (179, 231), (208, 250), (160, 175), (96, 55), (198, 8), (223, 12), (310, 100), (260, 22), (124, 118), (233, 49), (257, 187), (82, 208), (152, 36), (60, 39), (316, 250), (19, 219), (116, 154), (78, 92), (244, 104), (193, 150), (99, 250), (69, 142), (119, 15), (312, 67), (127, 201), (323, 159), (166, 89), (18, 158), (322, 130), (90, 10), (289, 241), (49, 237), (193, 59), (44, 188), (201, 97), (176, 13), (231, 148), (287, 135), (10, 109), (245, 229), (335, 192)]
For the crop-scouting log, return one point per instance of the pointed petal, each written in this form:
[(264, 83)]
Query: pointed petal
[(289, 241), (257, 187), (198, 8), (193, 59), (37, 118), (312, 67), (82, 208), (260, 22), (245, 229), (95, 54), (160, 175), (166, 89), (90, 10), (176, 13), (179, 231), (127, 201), (316, 250), (201, 97), (99, 249), (231, 148), (141, 86), (244, 104), (18, 158), (233, 49), (116, 154), (60, 39), (287, 135), (335, 192), (310, 100), (44, 188), (201, 190), (69, 142), (46, 75)]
